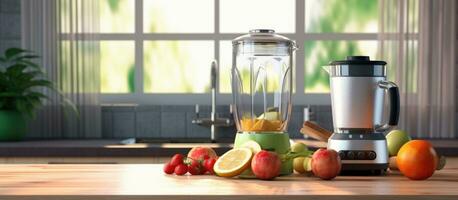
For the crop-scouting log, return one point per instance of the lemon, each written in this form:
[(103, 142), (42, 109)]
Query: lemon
[(254, 146), (233, 162)]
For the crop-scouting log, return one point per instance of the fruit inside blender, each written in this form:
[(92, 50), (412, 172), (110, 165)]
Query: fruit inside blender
[(266, 122), (269, 77), (261, 125)]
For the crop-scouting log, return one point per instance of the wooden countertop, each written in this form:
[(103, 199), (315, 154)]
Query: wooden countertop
[(148, 182)]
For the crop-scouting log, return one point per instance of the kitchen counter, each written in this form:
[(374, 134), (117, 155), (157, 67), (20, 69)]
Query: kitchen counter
[(112, 148), (99, 148), (138, 181)]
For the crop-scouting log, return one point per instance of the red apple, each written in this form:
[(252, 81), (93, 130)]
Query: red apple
[(266, 165), (202, 153), (326, 164)]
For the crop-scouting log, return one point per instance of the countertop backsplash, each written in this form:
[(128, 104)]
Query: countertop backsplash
[(176, 121)]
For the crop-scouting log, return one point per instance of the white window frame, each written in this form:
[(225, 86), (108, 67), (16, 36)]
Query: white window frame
[(300, 36)]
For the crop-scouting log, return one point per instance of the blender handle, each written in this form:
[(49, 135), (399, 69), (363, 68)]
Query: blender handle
[(393, 92)]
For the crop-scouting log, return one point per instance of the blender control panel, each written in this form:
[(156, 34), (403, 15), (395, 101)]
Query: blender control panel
[(357, 155)]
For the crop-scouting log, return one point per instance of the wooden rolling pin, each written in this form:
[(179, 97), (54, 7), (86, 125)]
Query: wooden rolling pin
[(315, 131)]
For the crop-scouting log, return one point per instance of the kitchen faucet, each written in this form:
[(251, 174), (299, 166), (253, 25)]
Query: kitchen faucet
[(213, 121)]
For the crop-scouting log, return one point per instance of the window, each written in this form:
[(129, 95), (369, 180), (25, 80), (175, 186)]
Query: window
[(152, 50), (337, 28), (117, 72), (177, 66)]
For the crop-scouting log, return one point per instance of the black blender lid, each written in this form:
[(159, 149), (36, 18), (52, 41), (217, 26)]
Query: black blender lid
[(357, 66), (357, 60)]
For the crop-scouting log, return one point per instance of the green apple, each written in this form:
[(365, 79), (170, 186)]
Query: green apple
[(395, 139), (270, 116), (298, 147)]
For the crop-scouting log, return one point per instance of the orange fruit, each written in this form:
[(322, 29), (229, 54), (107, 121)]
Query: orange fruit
[(417, 159)]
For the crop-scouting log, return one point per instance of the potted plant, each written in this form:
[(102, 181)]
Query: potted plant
[(21, 84)]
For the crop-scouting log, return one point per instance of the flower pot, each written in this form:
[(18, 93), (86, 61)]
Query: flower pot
[(12, 125)]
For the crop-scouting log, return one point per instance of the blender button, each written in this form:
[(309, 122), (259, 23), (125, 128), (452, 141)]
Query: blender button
[(361, 136), (372, 155), (361, 155), (350, 136), (351, 155), (342, 155)]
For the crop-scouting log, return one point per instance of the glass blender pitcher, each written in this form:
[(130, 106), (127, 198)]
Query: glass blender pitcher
[(262, 66)]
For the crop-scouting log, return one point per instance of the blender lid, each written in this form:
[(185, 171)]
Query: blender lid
[(357, 60), (357, 66), (263, 36)]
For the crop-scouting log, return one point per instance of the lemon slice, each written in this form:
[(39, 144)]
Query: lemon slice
[(254, 146), (233, 162)]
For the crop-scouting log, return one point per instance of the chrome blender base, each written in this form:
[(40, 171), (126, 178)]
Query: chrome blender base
[(277, 142), (361, 152)]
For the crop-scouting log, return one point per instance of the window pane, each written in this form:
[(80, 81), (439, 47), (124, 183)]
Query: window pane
[(114, 16), (225, 65), (348, 16), (320, 53), (117, 16), (117, 66), (412, 23), (240, 16), (177, 66), (178, 16)]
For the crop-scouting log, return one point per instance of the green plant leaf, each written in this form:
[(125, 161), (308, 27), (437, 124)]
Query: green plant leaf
[(10, 94), (21, 106), (21, 58), (30, 64), (27, 76), (18, 79), (26, 107), (15, 70), (37, 94), (34, 101), (69, 107), (11, 52), (35, 83)]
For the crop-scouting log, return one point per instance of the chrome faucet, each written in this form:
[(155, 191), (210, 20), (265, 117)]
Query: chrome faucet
[(213, 121)]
